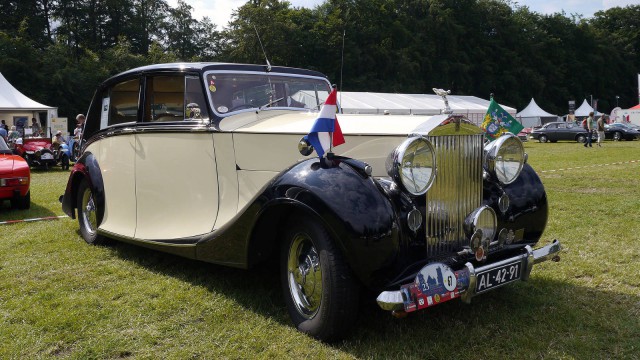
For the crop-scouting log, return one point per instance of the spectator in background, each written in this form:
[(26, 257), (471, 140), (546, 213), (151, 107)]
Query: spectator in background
[(13, 134), (589, 125), (80, 120), (4, 125), (600, 126), (3, 133), (35, 127)]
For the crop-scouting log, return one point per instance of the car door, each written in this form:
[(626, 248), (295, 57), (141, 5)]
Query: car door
[(552, 132), (563, 131), (175, 162), (114, 152)]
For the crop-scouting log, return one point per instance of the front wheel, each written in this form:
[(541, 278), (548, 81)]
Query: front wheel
[(542, 138), (88, 215), (320, 291), (581, 138)]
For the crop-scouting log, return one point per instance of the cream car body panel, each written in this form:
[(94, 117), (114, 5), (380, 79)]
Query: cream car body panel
[(250, 183), (116, 157), (175, 174), (227, 178), (376, 138)]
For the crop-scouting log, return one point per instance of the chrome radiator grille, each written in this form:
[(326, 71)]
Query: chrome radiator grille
[(456, 192)]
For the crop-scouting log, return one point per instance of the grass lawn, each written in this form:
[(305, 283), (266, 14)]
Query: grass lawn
[(61, 298)]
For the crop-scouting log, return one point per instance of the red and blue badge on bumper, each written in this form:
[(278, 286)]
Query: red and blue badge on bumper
[(434, 284)]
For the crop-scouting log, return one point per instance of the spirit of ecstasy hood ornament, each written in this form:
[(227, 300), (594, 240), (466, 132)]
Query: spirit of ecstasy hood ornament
[(443, 94)]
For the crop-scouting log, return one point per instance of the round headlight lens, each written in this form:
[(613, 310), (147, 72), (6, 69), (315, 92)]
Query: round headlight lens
[(487, 222), (505, 158), (413, 165)]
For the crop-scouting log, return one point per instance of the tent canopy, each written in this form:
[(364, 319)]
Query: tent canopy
[(533, 115), (13, 100), (414, 104), (407, 104), (585, 109)]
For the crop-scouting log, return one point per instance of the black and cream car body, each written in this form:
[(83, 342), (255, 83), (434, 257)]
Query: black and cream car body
[(204, 160)]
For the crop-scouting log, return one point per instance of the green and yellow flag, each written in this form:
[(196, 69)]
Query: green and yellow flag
[(497, 122)]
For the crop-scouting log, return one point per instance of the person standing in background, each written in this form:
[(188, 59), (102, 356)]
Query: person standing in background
[(589, 127), (36, 129), (600, 127)]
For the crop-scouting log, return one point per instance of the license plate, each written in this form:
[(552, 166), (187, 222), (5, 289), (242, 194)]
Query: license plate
[(47, 156), (499, 276)]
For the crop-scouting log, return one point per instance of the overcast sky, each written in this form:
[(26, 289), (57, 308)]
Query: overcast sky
[(219, 11)]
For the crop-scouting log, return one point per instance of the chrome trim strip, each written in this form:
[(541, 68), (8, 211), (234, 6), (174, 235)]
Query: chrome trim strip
[(392, 300)]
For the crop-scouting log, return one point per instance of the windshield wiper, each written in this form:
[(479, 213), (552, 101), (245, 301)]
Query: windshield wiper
[(270, 103)]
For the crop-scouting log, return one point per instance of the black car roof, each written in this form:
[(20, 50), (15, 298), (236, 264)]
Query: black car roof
[(206, 66)]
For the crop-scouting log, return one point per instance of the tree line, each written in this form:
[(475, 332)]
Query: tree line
[(57, 51)]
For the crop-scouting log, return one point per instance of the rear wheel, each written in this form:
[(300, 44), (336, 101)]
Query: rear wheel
[(617, 136), (543, 138), (581, 138), (88, 215), (22, 202), (320, 291)]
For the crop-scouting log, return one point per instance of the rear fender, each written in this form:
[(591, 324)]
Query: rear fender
[(85, 168)]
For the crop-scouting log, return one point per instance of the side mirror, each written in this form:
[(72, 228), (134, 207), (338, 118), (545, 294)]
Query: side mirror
[(304, 147)]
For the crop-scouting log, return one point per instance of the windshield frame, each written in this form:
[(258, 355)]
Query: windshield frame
[(261, 107)]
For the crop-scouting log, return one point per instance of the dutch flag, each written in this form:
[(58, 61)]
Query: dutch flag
[(326, 127)]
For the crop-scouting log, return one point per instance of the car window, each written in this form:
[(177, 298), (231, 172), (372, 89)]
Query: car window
[(562, 126), (194, 100), (164, 98), (175, 98), (121, 104)]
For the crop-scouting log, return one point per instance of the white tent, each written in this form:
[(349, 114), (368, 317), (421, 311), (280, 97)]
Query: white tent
[(584, 110), (472, 107), (533, 115), (15, 106)]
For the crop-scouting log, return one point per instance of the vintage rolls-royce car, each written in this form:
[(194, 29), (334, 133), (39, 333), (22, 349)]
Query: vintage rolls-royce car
[(209, 161)]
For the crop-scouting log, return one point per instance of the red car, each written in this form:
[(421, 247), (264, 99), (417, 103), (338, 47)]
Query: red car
[(15, 178)]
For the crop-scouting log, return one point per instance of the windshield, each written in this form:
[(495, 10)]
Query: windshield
[(233, 92)]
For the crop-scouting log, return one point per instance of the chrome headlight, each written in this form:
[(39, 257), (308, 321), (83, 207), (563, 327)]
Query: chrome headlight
[(413, 165), (505, 158), (483, 219)]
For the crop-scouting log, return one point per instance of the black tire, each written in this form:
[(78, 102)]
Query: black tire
[(326, 310), (22, 202), (617, 136), (581, 138), (542, 138), (88, 215)]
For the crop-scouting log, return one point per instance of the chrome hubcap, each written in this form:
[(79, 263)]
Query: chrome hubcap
[(304, 276), (88, 212)]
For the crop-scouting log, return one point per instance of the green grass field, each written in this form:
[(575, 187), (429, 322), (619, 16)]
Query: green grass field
[(61, 298)]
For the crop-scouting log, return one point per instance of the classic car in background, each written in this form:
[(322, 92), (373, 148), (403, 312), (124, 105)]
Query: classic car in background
[(15, 178), (620, 131), (208, 161), (560, 130), (40, 152)]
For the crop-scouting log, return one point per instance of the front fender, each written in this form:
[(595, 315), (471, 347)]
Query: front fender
[(528, 206)]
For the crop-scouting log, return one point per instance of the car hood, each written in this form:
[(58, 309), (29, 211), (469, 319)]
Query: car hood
[(268, 141)]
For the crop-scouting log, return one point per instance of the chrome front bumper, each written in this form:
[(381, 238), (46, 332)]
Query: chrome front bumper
[(468, 278)]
